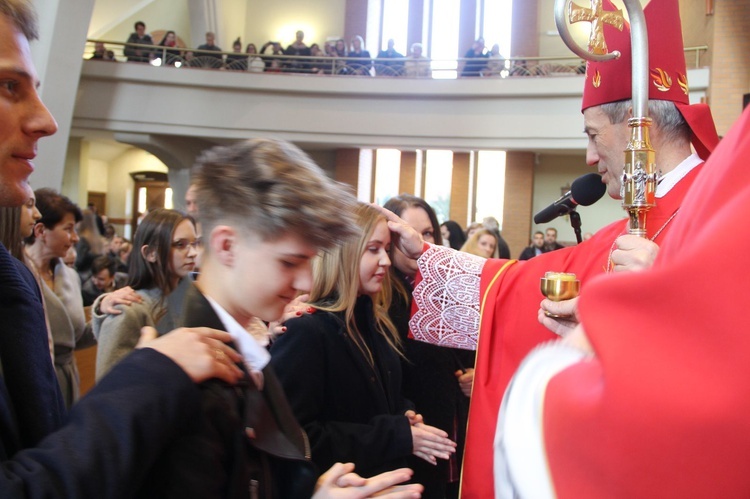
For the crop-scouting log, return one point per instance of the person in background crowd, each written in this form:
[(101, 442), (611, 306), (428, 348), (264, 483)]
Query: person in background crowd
[(535, 249), (550, 240), (90, 243), (357, 53), (210, 46), (453, 234), (502, 250), (102, 279), (100, 225), (437, 380), (123, 256), (298, 48), (495, 62), (254, 63), (390, 68), (165, 243), (417, 65), (100, 51), (169, 54), (319, 63), (475, 59), (236, 61), (53, 235), (140, 37), (481, 243)]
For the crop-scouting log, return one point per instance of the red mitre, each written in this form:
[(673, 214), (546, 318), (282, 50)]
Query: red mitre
[(610, 81)]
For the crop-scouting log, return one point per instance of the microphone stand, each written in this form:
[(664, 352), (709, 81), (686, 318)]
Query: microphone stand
[(575, 222)]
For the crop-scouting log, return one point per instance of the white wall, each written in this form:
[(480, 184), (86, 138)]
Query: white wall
[(114, 19), (278, 20), (98, 175)]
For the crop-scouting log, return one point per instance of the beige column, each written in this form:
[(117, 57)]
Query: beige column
[(460, 187), (346, 167), (408, 172), (525, 33), (730, 69), (519, 192), (355, 20)]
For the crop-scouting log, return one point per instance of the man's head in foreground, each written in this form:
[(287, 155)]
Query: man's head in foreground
[(23, 117)]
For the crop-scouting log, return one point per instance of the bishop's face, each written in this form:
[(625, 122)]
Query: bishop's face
[(607, 141)]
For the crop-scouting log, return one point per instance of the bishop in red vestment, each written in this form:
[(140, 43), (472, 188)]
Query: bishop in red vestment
[(658, 405), (457, 296)]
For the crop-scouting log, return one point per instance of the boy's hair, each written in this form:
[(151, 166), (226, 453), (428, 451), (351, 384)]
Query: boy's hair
[(271, 188)]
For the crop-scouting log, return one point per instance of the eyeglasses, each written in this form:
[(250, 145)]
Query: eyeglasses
[(184, 244)]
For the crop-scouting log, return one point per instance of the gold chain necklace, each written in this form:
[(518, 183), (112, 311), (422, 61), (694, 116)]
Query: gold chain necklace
[(610, 265)]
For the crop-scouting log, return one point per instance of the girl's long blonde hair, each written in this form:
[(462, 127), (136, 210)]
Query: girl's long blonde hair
[(336, 281)]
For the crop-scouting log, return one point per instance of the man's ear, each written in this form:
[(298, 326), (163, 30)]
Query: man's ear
[(149, 254)]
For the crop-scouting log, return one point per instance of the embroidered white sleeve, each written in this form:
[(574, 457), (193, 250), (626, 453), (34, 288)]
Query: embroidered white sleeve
[(447, 298)]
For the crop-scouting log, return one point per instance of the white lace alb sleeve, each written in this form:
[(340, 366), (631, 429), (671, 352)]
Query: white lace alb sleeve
[(447, 298)]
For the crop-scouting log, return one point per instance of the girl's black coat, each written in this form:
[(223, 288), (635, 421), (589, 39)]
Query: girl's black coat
[(351, 411)]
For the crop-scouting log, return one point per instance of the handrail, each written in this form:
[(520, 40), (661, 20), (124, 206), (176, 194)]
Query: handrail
[(424, 68)]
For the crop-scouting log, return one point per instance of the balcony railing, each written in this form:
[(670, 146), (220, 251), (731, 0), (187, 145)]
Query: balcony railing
[(407, 67)]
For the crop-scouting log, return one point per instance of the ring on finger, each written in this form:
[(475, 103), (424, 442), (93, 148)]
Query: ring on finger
[(219, 354)]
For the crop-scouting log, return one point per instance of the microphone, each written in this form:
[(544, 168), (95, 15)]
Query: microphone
[(586, 190)]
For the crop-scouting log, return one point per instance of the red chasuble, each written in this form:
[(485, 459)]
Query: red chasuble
[(662, 410), (510, 298)]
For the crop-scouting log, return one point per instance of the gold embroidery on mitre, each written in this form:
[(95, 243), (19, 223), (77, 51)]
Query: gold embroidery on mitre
[(598, 17), (597, 79), (682, 81), (661, 79)]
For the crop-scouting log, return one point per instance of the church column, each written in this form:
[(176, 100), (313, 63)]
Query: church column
[(355, 22), (730, 68), (416, 21), (205, 15), (525, 34), (459, 208), (407, 172), (467, 27), (346, 167), (519, 192), (58, 58)]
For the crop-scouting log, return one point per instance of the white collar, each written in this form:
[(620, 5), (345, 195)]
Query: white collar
[(670, 179), (255, 356)]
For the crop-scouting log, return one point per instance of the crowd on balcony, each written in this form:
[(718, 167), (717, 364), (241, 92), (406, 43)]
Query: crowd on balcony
[(335, 56)]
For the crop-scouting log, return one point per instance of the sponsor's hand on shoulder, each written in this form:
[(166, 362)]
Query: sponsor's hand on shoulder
[(122, 296), (201, 352)]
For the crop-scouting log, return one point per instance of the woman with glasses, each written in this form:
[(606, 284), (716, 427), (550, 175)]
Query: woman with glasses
[(164, 251)]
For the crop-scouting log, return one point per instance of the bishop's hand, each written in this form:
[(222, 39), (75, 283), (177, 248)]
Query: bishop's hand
[(406, 238)]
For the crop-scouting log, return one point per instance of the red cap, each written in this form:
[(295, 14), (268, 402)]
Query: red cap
[(610, 81)]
